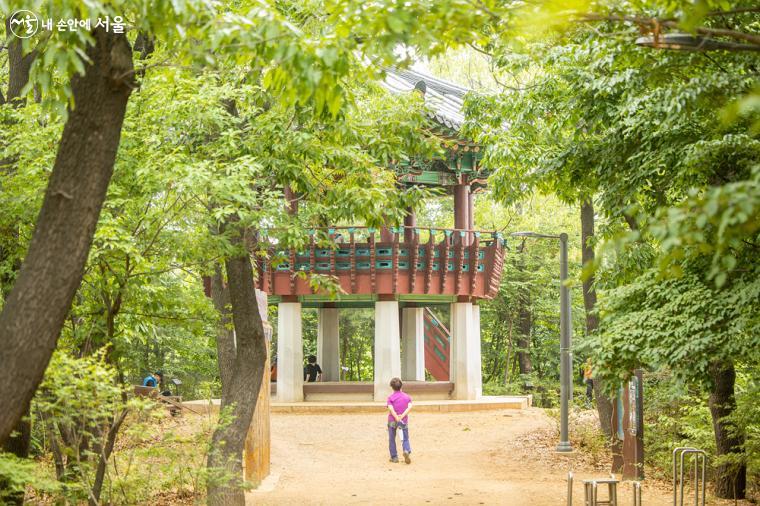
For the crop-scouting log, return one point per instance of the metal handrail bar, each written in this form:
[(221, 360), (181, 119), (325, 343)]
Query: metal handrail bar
[(698, 457), (636, 493), (433, 316)]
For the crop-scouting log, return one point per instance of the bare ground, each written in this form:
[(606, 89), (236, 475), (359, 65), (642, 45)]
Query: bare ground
[(489, 457)]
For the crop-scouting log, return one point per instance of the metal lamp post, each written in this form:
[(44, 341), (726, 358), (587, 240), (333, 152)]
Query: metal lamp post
[(565, 344)]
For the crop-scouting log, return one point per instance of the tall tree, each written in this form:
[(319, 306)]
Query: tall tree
[(524, 321), (304, 72), (591, 114), (245, 369), (19, 65), (603, 402), (35, 310), (18, 75)]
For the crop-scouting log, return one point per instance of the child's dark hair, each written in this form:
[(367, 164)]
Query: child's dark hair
[(396, 384), (312, 359)]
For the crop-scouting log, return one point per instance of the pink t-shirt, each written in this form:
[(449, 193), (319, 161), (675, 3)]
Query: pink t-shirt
[(400, 401)]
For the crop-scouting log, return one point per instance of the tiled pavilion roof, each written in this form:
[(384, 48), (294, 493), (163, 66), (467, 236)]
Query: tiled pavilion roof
[(445, 99)]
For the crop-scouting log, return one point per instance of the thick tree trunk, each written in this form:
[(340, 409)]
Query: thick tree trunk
[(225, 338), (19, 66), (603, 403), (225, 458), (18, 76), (524, 322), (19, 442), (35, 310), (730, 478)]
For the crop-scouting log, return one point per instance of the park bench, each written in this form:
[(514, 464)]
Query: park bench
[(173, 402)]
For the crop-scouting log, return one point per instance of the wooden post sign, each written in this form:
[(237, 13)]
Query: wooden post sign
[(633, 425), (628, 429), (257, 442)]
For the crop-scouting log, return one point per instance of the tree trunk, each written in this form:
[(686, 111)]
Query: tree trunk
[(19, 442), (343, 353), (730, 477), (18, 76), (52, 437), (509, 352), (19, 66), (36, 308), (105, 454), (603, 403), (225, 458), (225, 338), (524, 323)]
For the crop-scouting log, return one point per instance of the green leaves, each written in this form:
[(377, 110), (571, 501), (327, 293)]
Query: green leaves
[(18, 474), (682, 323), (715, 224), (303, 50), (666, 143)]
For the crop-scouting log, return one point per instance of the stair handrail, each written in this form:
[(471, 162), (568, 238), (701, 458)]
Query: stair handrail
[(433, 316)]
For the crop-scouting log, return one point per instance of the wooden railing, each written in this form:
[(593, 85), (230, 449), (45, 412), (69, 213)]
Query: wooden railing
[(396, 260)]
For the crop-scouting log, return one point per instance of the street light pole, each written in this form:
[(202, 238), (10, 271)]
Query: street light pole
[(565, 342)]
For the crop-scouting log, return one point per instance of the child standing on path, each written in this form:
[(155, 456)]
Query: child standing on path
[(399, 406)]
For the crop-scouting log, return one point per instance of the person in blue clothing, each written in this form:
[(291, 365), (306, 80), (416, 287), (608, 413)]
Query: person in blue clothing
[(153, 380)]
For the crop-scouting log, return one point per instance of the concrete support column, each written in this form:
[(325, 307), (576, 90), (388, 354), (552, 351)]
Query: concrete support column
[(387, 347), (289, 352), (328, 339), (413, 339), (465, 351), (477, 358)]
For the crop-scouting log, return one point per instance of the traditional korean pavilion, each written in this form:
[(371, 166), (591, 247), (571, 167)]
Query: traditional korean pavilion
[(402, 272)]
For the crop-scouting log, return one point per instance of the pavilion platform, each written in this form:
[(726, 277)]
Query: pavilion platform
[(485, 403), (341, 391)]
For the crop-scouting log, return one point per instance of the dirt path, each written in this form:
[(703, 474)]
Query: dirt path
[(492, 457)]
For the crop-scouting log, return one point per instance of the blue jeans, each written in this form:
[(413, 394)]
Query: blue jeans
[(392, 426)]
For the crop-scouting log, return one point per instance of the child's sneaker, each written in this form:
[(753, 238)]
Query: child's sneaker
[(394, 460), (407, 458)]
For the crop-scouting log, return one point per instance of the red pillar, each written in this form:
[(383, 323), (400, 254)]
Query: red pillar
[(471, 210), (462, 209)]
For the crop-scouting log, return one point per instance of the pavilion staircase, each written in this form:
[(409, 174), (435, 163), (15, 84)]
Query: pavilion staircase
[(437, 347)]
